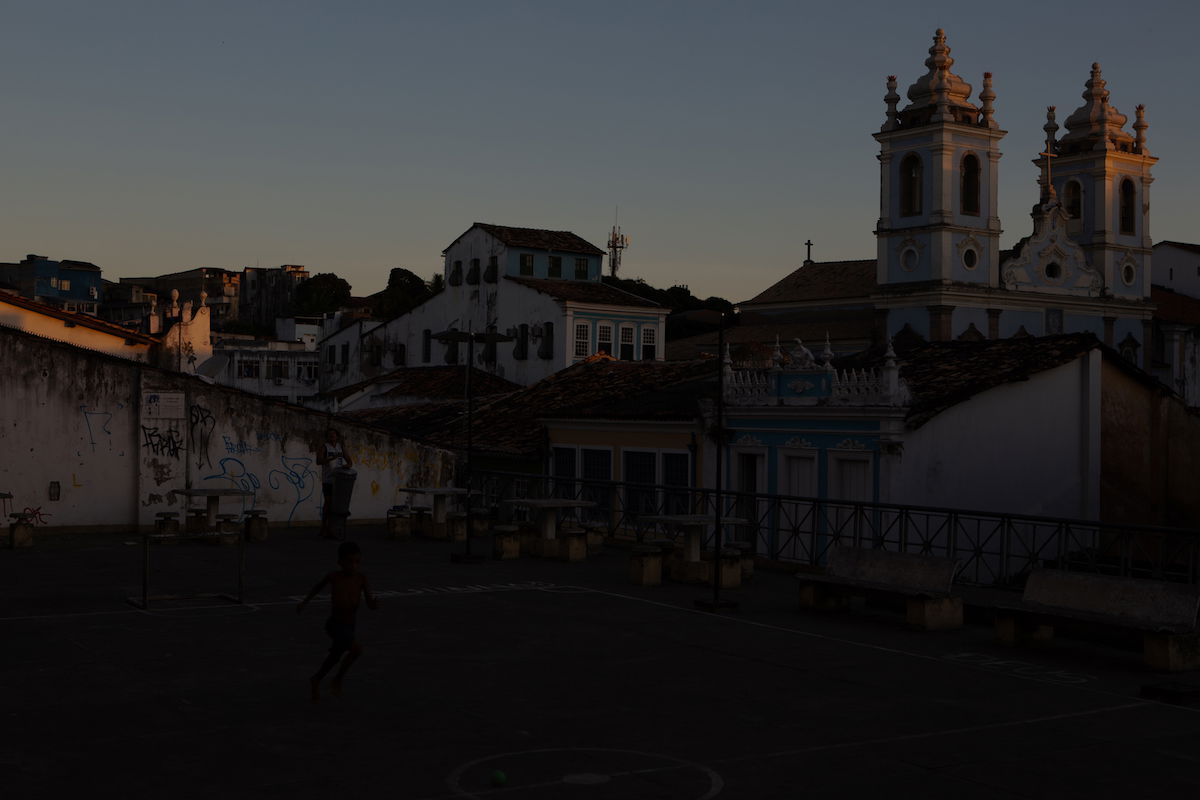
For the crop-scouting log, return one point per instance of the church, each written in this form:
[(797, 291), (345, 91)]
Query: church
[(940, 273)]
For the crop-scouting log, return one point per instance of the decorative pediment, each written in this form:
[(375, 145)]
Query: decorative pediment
[(799, 441), (746, 440), (1050, 260)]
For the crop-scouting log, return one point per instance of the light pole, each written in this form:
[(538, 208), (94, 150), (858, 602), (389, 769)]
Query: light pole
[(454, 337), (715, 603)]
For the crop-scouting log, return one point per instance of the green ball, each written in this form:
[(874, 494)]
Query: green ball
[(499, 778)]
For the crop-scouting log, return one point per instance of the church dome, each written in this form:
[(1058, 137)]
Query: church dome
[(939, 80), (1095, 122)]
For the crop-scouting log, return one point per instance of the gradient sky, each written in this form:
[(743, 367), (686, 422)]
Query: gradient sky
[(352, 137)]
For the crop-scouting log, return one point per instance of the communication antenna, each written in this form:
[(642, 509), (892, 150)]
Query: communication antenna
[(617, 242)]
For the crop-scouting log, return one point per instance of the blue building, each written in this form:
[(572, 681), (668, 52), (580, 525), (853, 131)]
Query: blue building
[(69, 285)]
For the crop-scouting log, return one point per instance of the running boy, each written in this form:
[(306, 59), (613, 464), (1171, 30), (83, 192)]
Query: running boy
[(346, 586)]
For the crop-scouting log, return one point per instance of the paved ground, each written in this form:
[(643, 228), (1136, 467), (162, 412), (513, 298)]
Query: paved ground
[(567, 679)]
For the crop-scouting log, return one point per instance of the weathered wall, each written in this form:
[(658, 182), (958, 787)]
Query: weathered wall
[(117, 437)]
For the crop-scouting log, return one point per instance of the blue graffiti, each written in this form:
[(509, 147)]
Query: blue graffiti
[(105, 418), (268, 436), (239, 447), (234, 471), (299, 473)]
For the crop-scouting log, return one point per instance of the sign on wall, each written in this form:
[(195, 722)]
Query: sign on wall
[(163, 405)]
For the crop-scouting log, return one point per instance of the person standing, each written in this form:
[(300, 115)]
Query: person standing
[(331, 455)]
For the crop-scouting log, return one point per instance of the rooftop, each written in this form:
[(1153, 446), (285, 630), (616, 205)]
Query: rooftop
[(825, 280), (536, 239), (584, 292)]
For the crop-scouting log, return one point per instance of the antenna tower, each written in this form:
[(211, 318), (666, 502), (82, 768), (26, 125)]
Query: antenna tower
[(617, 242)]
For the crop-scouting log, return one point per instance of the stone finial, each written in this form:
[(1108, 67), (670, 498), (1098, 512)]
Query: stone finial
[(939, 86), (890, 355), (1139, 127), (892, 99), (777, 353), (203, 298), (1051, 128), (1096, 125), (827, 355), (173, 309), (986, 98)]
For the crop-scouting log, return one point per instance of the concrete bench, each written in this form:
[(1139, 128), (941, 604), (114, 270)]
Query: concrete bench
[(20, 532), (506, 542), (197, 520), (645, 565), (745, 557), (925, 582), (1164, 613), (573, 544), (399, 522), (166, 522)]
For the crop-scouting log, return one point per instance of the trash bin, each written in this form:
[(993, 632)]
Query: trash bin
[(343, 489)]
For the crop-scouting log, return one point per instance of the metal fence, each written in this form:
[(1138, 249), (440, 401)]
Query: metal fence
[(995, 549)]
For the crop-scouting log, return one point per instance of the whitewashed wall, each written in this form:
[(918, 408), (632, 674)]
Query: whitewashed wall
[(114, 438), (1031, 447)]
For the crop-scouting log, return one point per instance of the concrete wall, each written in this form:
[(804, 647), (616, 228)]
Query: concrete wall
[(1025, 448), (1177, 268), (113, 438)]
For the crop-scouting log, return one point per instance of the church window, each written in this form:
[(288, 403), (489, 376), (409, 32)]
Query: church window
[(1128, 200), (970, 185), (1074, 199), (910, 186), (908, 259), (1053, 271), (970, 258), (1128, 274)]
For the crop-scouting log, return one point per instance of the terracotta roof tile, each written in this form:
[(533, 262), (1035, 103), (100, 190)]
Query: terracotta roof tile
[(82, 320), (1175, 307), (824, 280), (584, 292), (538, 239), (853, 327)]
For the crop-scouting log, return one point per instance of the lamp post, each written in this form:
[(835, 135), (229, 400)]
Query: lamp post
[(454, 337), (715, 603)]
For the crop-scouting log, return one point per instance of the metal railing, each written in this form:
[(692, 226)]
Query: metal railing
[(996, 549)]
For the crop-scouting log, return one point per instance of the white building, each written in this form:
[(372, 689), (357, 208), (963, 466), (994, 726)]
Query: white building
[(279, 370), (542, 288)]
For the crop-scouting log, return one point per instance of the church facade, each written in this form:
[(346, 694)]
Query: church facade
[(940, 272)]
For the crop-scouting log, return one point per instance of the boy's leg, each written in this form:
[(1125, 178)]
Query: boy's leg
[(342, 641), (351, 656)]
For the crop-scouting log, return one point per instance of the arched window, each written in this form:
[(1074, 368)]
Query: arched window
[(1128, 200), (969, 185), (910, 186), (1073, 200)]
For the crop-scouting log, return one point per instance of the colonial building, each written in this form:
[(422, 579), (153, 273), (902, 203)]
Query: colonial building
[(541, 288), (939, 269)]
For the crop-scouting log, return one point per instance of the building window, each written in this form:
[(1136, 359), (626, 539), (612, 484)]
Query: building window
[(1073, 201), (426, 346), (649, 337), (581, 269), (1128, 201), (54, 283), (910, 186), (456, 274), (546, 349), (969, 187), (473, 272), (555, 266), (526, 263), (521, 348), (626, 343), (64, 285), (638, 473), (451, 356), (676, 472), (970, 258), (248, 369), (492, 271), (277, 369), (331, 354), (604, 342), (583, 340)]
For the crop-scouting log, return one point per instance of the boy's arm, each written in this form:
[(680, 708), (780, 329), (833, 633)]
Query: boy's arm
[(372, 601), (315, 591)]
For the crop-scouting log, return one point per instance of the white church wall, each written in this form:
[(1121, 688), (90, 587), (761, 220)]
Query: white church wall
[(1177, 269), (917, 318), (1024, 448)]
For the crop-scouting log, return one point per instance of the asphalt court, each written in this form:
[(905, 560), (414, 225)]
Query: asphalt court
[(563, 677)]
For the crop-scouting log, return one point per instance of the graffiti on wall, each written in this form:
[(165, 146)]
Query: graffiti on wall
[(234, 471), (163, 471), (97, 423), (37, 516), (200, 427), (298, 473), (162, 442), (239, 447)]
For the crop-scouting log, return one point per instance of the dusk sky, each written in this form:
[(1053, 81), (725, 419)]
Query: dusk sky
[(352, 137)]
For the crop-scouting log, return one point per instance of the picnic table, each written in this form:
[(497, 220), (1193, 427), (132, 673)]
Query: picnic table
[(693, 527), (212, 498), (547, 511), (441, 497)]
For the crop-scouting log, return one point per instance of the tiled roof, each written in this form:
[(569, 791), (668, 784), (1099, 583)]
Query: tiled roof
[(593, 389), (940, 375), (850, 326), (825, 280), (537, 239), (1175, 307), (448, 382), (584, 292), (1191, 248), (82, 320)]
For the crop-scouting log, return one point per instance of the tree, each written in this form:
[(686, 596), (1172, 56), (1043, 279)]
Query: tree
[(404, 292), (437, 283), (320, 293)]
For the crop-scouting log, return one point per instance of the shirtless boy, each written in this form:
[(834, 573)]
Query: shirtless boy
[(346, 586)]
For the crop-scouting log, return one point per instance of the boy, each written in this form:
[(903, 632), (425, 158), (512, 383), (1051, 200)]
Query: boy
[(345, 588)]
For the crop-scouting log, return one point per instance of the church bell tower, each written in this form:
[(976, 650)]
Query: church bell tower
[(939, 157)]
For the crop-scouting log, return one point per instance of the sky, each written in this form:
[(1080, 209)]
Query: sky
[(354, 136)]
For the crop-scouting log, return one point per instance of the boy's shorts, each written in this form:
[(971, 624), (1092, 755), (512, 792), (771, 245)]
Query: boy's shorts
[(341, 634)]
